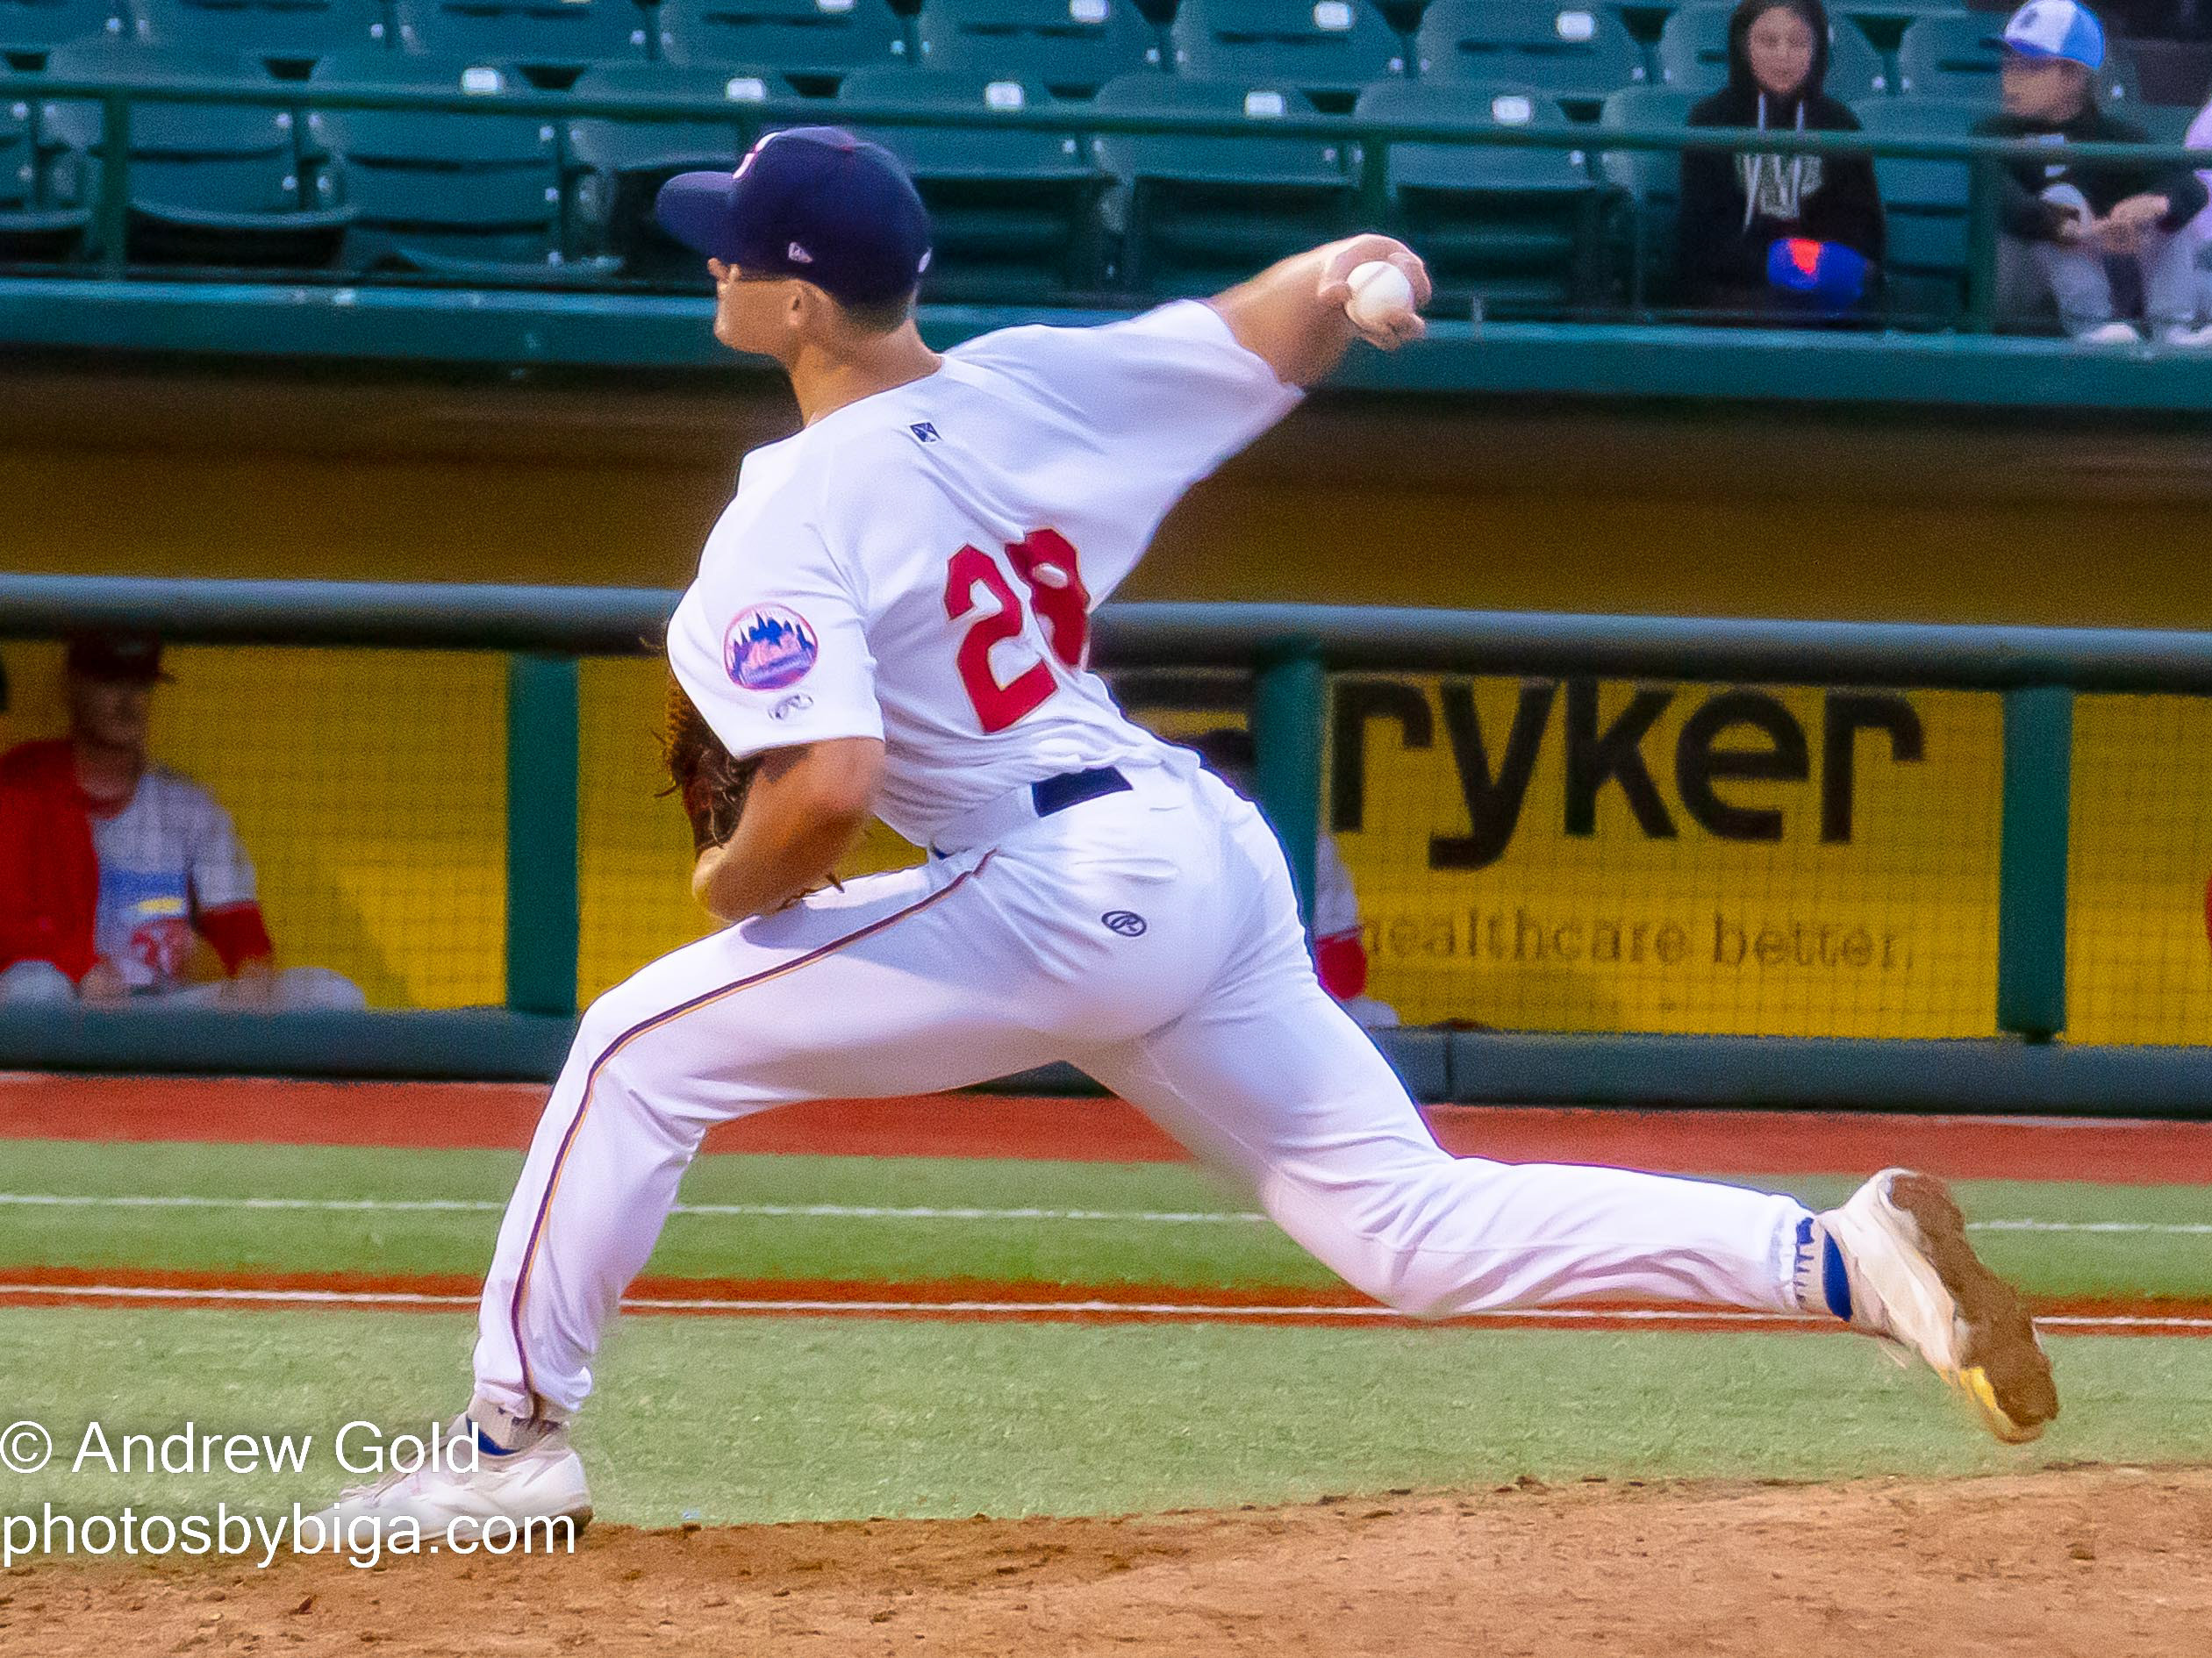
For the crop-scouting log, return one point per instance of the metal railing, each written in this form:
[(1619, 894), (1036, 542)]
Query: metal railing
[(1288, 649), (1357, 136)]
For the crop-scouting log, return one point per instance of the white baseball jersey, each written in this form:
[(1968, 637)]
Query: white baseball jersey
[(920, 566), (171, 853)]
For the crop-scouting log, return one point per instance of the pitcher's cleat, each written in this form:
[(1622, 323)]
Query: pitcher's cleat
[(1912, 1278), (455, 1493)]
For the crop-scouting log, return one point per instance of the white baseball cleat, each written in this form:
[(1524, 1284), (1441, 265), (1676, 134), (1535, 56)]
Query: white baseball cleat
[(1917, 1282), (542, 1480)]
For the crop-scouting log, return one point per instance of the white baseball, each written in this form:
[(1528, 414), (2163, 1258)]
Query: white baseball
[(1381, 295)]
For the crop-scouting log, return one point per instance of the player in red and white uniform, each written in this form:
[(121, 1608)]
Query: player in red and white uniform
[(113, 868), (895, 612)]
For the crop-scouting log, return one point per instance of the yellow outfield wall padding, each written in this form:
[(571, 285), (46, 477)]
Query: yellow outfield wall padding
[(633, 849), (2138, 961), (1589, 543), (1673, 889), (372, 788), (1573, 855)]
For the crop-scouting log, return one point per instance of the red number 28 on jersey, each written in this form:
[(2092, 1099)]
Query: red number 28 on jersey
[(1047, 564)]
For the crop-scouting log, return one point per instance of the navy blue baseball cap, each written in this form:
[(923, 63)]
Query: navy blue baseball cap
[(812, 202)]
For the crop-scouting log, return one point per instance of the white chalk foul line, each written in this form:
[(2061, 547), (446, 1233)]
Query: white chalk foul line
[(880, 1211), (1189, 1312), (476, 1206), (2158, 1228), (265, 1297)]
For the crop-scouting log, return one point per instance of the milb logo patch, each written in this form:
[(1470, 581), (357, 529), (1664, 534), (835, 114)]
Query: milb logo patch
[(768, 648)]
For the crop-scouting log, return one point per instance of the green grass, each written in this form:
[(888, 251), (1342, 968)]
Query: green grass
[(778, 1418), (885, 1249), (781, 1419)]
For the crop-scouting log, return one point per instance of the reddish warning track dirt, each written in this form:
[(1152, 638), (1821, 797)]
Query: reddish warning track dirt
[(1334, 1304), (2090, 1562), (502, 1116)]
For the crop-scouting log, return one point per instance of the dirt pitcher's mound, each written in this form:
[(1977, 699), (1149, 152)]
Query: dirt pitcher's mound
[(2100, 1562)]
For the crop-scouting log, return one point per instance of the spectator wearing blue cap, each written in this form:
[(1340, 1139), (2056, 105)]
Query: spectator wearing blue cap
[(1761, 231), (2061, 225)]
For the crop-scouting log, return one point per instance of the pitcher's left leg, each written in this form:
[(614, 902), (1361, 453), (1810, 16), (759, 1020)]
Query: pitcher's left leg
[(1293, 1099), (1283, 1089)]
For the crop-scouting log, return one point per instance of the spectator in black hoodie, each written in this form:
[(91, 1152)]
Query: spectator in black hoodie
[(1736, 206), (2060, 224)]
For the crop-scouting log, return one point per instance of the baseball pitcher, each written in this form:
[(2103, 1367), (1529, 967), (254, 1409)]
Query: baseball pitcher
[(893, 617)]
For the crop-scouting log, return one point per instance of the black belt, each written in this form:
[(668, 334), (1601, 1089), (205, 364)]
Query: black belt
[(1050, 794)]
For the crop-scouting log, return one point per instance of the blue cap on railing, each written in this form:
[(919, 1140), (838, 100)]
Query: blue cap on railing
[(1828, 272), (811, 201)]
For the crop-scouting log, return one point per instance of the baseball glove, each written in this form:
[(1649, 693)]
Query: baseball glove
[(711, 784)]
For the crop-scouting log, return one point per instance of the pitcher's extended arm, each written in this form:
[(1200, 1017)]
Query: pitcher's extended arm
[(1292, 314)]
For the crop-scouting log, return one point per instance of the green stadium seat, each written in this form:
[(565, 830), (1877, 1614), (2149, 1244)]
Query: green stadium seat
[(1874, 15), (1568, 51), (1516, 226), (210, 184), (1952, 57), (1649, 187), (1928, 204), (676, 144), (1903, 12), (1649, 176), (277, 30), (31, 230), (18, 158), (532, 33), (1694, 55), (30, 27), (473, 197), (1071, 47), (2163, 123), (618, 166), (808, 40), (1328, 49), (1012, 211), (1884, 22), (1204, 212)]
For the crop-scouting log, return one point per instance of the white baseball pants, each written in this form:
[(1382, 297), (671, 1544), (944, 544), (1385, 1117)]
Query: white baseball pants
[(997, 957)]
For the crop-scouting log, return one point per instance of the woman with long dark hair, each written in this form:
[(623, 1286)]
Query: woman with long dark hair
[(1736, 206)]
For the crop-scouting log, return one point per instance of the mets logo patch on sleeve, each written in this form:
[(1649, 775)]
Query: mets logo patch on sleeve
[(768, 648)]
